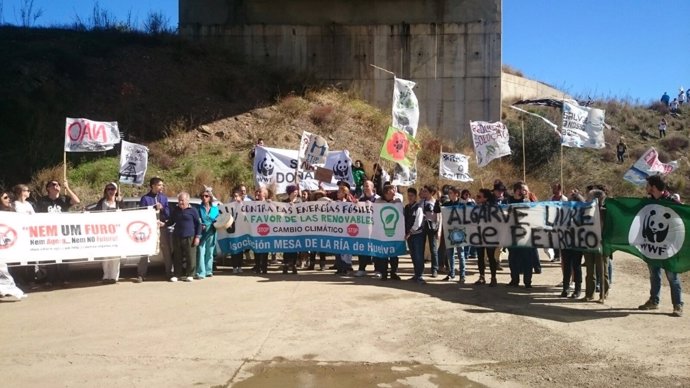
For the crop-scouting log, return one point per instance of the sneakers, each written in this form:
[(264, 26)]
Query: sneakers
[(172, 279), (139, 279), (197, 277), (677, 310), (187, 279), (480, 280), (239, 270), (555, 260), (449, 278), (377, 275), (235, 270), (360, 274), (434, 273), (575, 295), (650, 305), (462, 280), (564, 294)]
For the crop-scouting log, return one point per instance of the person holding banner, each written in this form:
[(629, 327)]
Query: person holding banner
[(656, 188), (185, 238), (208, 213), (454, 200), (261, 259), (290, 258), (520, 259), (381, 263), (595, 262), (110, 201), (572, 263), (368, 195), (156, 198), (56, 203), (486, 198)]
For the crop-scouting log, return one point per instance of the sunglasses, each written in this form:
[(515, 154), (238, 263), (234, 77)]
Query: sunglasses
[(54, 184), (110, 188), (206, 196)]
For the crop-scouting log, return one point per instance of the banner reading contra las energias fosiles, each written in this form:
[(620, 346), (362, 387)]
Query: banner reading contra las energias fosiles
[(372, 229)]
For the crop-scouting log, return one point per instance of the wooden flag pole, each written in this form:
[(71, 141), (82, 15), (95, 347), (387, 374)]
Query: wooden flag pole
[(64, 165), (524, 169), (382, 69), (440, 160)]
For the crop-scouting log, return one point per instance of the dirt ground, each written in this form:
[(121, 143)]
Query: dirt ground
[(316, 329)]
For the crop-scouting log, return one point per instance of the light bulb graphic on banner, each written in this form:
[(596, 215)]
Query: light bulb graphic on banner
[(389, 217)]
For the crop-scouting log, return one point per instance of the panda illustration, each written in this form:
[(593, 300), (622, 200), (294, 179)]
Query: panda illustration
[(655, 226), (341, 170), (266, 166)]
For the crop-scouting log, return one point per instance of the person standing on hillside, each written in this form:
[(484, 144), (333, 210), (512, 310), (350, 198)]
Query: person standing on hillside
[(662, 128), (621, 148), (56, 203), (157, 199), (665, 99), (656, 188), (674, 106), (681, 97)]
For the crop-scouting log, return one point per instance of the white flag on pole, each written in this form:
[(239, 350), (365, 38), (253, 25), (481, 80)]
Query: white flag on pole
[(454, 167), (491, 141), (405, 107), (583, 127), (134, 159), (84, 135), (313, 149)]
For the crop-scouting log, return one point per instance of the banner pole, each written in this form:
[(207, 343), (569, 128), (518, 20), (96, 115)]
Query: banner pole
[(64, 165), (524, 169), (382, 69), (562, 187), (440, 160)]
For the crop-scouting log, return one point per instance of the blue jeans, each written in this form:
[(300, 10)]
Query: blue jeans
[(433, 249), (673, 281), (416, 242), (461, 258)]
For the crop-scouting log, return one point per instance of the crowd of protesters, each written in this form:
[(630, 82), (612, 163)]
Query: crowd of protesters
[(188, 236)]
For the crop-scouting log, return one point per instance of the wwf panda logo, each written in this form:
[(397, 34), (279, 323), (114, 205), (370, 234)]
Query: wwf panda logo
[(657, 232), (655, 226), (341, 170), (266, 166)]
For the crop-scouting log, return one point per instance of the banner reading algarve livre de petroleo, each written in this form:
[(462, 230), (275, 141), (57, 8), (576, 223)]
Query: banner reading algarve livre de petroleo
[(331, 227), (76, 236)]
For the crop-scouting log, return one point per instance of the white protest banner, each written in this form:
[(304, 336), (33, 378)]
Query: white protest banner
[(403, 175), (648, 164), (454, 167), (335, 227), (83, 135), (60, 237), (274, 166), (583, 127), (490, 141), (561, 225), (313, 149), (134, 159), (405, 107)]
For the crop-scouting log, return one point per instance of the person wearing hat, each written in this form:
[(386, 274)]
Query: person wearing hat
[(110, 201), (208, 213)]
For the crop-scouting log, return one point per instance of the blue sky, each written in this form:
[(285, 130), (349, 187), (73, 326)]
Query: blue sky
[(631, 49)]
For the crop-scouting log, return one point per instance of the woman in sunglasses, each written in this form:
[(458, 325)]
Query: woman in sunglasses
[(208, 213), (110, 201), (5, 201), (21, 196)]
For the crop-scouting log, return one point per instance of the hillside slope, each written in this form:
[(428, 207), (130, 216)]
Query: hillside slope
[(200, 110)]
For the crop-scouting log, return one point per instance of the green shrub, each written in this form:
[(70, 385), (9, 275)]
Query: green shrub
[(541, 143)]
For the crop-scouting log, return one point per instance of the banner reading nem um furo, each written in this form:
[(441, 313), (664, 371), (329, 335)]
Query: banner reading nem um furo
[(372, 229), (57, 237), (563, 225)]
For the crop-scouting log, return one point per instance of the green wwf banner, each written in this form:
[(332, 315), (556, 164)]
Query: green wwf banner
[(655, 231)]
